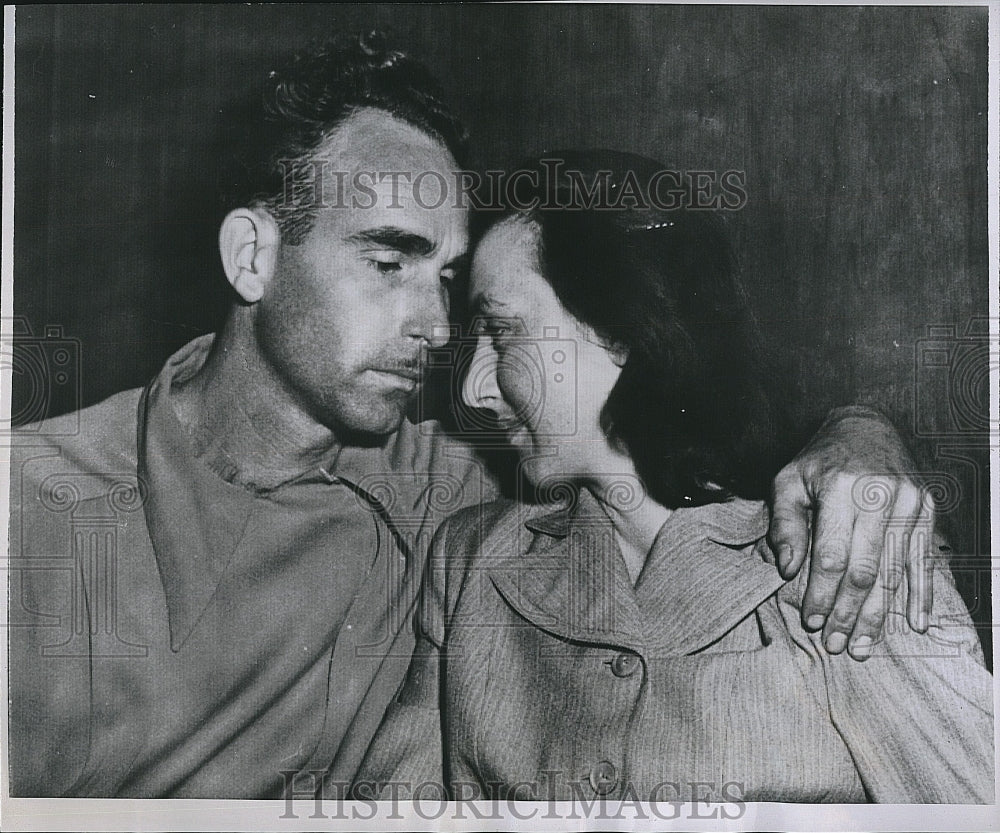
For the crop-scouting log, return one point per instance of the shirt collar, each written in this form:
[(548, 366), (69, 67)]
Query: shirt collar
[(196, 517)]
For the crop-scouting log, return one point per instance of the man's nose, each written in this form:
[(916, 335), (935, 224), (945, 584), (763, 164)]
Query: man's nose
[(427, 317), (479, 388)]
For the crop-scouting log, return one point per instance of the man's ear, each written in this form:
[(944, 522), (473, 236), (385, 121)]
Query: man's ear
[(248, 243)]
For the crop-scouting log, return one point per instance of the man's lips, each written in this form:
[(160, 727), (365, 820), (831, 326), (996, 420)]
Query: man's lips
[(413, 375)]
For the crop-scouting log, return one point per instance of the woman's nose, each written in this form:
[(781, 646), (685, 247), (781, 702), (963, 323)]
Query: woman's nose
[(479, 389)]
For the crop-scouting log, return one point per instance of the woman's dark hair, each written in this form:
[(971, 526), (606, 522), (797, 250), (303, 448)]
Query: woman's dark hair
[(691, 405), (315, 93)]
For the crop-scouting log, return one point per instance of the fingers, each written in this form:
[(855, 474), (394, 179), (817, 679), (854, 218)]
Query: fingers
[(861, 575), (866, 534), (895, 531), (788, 534), (831, 545), (920, 568), (871, 620), (886, 519)]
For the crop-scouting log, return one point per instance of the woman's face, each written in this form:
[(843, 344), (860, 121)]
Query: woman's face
[(542, 373)]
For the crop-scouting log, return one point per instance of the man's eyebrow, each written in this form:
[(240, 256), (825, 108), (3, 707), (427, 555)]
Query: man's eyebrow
[(391, 237)]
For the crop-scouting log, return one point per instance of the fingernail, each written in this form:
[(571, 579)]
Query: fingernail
[(861, 647), (815, 622), (921, 621), (836, 643)]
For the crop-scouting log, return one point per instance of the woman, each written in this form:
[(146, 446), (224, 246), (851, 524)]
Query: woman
[(635, 638)]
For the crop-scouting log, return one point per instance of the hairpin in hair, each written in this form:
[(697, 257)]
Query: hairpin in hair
[(651, 226)]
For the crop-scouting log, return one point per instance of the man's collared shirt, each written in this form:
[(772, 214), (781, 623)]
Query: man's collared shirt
[(174, 634)]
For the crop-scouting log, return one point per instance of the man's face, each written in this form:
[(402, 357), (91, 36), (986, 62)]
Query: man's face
[(347, 318)]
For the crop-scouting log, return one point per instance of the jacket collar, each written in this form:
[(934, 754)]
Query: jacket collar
[(570, 578), (554, 523), (704, 574), (734, 523)]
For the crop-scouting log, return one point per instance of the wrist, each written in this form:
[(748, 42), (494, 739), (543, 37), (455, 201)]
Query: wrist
[(847, 411), (856, 410)]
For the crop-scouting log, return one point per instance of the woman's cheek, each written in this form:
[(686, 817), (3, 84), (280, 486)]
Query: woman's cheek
[(520, 382)]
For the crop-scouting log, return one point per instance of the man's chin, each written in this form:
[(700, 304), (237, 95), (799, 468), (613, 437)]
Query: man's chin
[(371, 428)]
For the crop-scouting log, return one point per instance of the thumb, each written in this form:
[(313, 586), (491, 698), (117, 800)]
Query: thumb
[(788, 534)]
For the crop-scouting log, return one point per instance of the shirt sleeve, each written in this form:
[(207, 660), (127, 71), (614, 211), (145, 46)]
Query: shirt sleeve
[(49, 731), (917, 715), (407, 750)]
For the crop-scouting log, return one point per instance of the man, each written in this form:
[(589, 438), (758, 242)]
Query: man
[(211, 580)]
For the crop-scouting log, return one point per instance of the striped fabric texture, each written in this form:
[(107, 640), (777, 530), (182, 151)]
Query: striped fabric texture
[(543, 672)]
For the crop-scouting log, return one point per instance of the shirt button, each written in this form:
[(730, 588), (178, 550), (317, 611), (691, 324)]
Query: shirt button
[(624, 665), (603, 777)]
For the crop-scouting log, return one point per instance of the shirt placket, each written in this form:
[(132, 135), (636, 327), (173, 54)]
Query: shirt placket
[(374, 621)]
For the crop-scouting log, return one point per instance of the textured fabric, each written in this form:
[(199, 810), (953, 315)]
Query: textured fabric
[(177, 635), (540, 664)]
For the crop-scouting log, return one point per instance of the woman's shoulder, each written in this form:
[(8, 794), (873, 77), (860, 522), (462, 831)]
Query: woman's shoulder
[(470, 536)]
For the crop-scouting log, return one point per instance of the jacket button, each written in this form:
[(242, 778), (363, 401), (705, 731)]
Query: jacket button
[(624, 665), (603, 777)]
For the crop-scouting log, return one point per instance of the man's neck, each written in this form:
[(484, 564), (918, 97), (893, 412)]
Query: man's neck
[(242, 421)]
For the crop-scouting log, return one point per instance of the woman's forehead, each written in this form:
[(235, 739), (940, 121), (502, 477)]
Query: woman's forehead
[(505, 264)]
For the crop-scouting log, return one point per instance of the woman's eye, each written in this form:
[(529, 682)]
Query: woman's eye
[(497, 329)]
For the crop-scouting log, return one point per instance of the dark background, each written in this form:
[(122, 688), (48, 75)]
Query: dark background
[(862, 132)]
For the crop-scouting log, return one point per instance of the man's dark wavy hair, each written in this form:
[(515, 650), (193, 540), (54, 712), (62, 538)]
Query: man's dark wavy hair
[(313, 94), (692, 405)]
